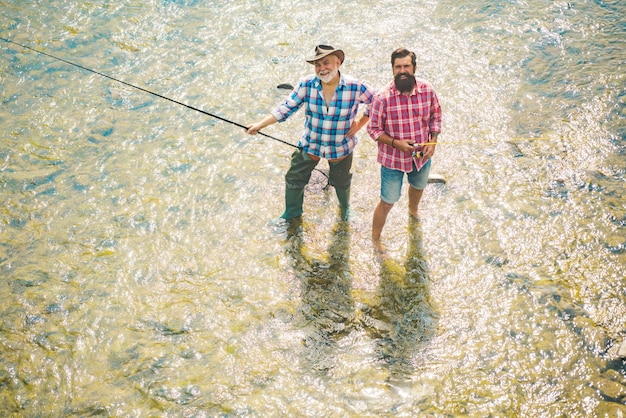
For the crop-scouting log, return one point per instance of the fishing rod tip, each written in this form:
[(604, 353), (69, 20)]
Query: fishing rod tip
[(436, 179)]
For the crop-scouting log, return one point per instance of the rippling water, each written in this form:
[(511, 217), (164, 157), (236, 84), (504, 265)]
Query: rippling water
[(141, 274)]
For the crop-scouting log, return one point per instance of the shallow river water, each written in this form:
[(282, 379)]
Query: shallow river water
[(141, 272)]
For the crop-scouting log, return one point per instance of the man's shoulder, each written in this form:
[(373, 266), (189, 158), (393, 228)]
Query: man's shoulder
[(424, 84), (348, 79), (309, 80), (386, 91), (351, 81)]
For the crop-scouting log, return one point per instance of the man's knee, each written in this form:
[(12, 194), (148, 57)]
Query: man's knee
[(384, 206), (340, 175), (340, 181), (300, 171)]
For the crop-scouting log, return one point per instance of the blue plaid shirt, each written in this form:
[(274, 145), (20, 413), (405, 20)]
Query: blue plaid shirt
[(325, 128)]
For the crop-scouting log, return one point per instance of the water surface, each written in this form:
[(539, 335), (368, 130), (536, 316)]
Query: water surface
[(142, 275)]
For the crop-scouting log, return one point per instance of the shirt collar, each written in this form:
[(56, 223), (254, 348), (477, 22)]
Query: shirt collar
[(318, 83)]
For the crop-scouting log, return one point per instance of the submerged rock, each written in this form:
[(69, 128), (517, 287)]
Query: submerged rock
[(594, 337), (622, 350), (617, 351), (610, 409), (611, 389)]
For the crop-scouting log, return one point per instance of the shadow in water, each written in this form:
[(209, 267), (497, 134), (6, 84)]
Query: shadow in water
[(401, 317), (327, 309)]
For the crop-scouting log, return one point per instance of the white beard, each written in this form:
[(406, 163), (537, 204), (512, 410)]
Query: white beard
[(330, 76)]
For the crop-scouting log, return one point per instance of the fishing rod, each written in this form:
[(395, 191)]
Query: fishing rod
[(147, 91), (418, 153), (473, 141)]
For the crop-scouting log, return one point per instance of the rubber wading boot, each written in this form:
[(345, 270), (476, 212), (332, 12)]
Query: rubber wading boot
[(294, 198), (344, 202)]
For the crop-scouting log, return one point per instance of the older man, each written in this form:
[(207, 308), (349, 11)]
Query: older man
[(405, 120), (331, 100)]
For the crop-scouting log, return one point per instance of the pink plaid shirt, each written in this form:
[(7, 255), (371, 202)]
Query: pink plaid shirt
[(404, 117)]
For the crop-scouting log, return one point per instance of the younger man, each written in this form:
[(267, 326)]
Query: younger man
[(405, 120)]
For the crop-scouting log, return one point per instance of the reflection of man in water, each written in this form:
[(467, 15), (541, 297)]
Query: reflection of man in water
[(327, 305), (403, 115), (402, 317)]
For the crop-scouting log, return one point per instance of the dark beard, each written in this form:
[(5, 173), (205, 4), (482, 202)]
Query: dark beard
[(404, 85)]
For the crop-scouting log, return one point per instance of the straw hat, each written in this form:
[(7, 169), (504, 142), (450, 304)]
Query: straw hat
[(323, 50)]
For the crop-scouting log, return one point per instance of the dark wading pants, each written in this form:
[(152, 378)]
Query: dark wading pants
[(298, 177)]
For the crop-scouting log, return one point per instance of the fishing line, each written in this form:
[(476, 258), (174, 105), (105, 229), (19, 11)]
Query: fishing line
[(147, 91), (473, 141), (513, 141), (280, 86)]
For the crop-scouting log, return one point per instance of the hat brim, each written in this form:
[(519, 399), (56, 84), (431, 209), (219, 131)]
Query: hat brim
[(337, 52)]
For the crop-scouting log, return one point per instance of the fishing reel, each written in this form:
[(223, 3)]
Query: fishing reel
[(417, 151)]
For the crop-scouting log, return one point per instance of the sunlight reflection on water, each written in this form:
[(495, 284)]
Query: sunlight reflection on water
[(142, 275)]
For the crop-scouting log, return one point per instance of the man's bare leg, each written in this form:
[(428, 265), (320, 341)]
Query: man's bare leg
[(414, 200), (378, 222)]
